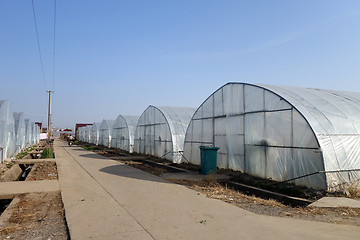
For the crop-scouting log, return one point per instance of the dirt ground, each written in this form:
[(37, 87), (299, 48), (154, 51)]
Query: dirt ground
[(36, 216), (5, 167), (43, 171), (349, 216)]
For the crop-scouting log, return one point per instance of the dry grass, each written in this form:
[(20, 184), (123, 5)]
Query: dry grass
[(10, 229), (36, 215)]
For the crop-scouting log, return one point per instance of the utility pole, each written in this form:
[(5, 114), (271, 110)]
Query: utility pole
[(49, 115)]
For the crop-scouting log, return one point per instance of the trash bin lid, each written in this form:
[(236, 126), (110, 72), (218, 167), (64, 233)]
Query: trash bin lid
[(209, 148)]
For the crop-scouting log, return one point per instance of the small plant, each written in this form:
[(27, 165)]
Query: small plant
[(88, 148), (47, 153)]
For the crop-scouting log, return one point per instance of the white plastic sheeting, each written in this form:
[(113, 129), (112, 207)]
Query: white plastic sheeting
[(34, 132), (334, 116), (94, 134), (123, 132), (87, 133), (37, 134), (7, 131), (81, 131), (161, 130), (28, 134), (20, 131), (281, 133), (105, 132)]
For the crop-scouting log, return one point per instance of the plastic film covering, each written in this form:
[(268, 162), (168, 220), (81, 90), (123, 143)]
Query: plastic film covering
[(82, 134), (160, 132), (33, 133), (7, 131), (36, 133), (258, 132), (20, 131), (28, 133), (334, 116), (123, 132), (87, 133), (105, 133), (94, 134)]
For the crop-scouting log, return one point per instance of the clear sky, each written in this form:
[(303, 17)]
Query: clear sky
[(119, 56)]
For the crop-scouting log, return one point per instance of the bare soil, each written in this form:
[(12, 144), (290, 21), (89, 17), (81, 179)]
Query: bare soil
[(5, 167), (43, 171), (36, 216), (212, 189), (146, 167)]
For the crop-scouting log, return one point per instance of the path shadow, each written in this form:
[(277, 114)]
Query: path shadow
[(130, 172), (94, 155), (79, 149)]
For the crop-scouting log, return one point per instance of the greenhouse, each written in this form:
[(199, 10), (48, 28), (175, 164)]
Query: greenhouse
[(123, 132), (87, 133), (160, 132), (82, 134), (7, 131), (20, 131), (105, 132), (35, 131), (281, 133), (28, 133), (94, 134), (38, 134)]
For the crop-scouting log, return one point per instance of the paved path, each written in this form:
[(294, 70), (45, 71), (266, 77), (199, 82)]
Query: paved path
[(104, 199)]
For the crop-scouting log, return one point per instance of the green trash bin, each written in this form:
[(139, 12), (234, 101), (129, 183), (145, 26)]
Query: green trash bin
[(208, 156)]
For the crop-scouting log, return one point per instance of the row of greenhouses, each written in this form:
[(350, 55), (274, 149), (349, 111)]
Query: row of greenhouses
[(16, 131), (310, 137)]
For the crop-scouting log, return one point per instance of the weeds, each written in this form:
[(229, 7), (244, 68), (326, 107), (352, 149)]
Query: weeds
[(47, 153), (88, 148)]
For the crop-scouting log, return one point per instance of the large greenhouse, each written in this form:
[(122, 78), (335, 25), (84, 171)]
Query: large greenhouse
[(281, 133), (105, 132), (28, 133), (7, 131), (123, 132), (20, 131), (160, 131), (82, 134), (94, 133)]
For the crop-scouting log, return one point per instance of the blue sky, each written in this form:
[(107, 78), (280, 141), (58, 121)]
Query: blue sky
[(117, 57)]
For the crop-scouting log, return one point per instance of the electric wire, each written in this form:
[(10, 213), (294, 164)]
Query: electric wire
[(38, 43)]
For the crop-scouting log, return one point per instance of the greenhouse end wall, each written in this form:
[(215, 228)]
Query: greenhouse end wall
[(105, 133), (259, 133), (160, 132), (95, 132), (7, 131), (20, 131), (123, 132)]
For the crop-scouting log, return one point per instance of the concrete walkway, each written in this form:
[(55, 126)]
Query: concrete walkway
[(104, 199), (330, 202), (13, 188)]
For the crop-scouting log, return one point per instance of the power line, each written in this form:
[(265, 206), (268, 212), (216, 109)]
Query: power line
[(38, 42), (54, 45)]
